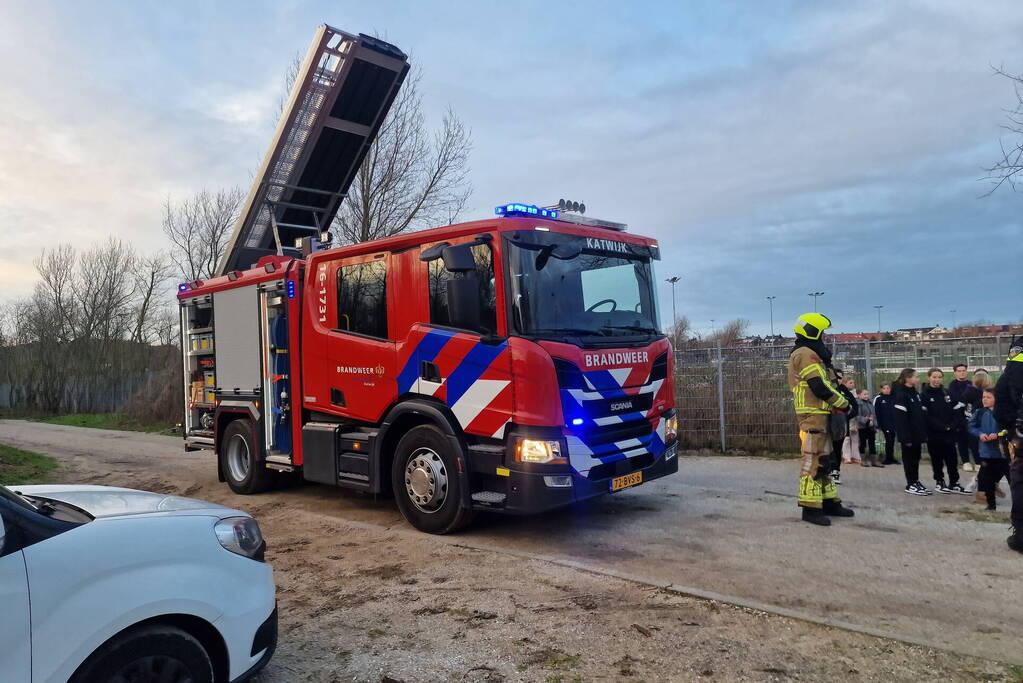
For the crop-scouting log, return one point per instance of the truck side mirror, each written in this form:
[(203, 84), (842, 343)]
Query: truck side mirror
[(463, 294)]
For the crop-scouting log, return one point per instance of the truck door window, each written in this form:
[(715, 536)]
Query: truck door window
[(362, 298), (439, 277)]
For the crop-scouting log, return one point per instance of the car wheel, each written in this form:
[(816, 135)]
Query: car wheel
[(243, 469), (424, 475), (153, 654)]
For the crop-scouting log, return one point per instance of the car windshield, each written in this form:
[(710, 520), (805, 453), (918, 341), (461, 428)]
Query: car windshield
[(565, 285), (17, 499)]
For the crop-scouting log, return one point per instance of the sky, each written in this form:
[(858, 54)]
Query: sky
[(773, 149)]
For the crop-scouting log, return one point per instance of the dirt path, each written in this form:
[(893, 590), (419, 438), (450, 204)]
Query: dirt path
[(361, 598)]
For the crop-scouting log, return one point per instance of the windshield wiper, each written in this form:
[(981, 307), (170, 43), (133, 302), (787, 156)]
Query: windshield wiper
[(637, 328), (571, 330)]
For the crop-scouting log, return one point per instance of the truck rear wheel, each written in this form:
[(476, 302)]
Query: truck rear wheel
[(427, 488), (243, 468)]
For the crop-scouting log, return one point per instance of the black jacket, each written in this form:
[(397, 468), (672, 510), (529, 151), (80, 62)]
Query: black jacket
[(884, 408), (910, 415), (956, 388), (1009, 392), (943, 416)]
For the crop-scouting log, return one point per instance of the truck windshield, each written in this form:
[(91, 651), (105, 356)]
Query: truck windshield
[(564, 285)]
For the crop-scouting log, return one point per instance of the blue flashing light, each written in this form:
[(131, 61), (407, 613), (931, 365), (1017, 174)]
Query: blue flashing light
[(525, 210), (577, 421), (291, 289), (183, 287)]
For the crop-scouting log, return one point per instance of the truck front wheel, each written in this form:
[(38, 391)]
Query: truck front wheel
[(427, 488), (243, 469)]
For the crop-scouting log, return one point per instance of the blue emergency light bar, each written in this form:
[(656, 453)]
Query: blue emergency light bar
[(183, 287), (525, 210)]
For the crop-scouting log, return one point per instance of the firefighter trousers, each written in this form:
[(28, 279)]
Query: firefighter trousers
[(815, 486)]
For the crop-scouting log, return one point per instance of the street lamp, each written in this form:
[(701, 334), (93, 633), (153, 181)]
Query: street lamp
[(815, 295), (953, 312), (674, 314), (770, 302), (879, 318)]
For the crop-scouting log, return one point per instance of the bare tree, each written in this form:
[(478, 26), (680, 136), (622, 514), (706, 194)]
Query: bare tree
[(198, 228), (150, 274), (1010, 165), (410, 179)]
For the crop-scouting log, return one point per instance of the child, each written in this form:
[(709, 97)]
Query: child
[(867, 421), (993, 463), (942, 418), (884, 414), (851, 443), (910, 428)]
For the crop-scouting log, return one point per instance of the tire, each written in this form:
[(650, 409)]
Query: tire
[(151, 654), (427, 488), (240, 461)]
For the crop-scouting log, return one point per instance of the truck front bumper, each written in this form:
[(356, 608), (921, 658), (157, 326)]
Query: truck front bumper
[(529, 493)]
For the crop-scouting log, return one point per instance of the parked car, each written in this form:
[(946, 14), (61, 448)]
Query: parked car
[(103, 584)]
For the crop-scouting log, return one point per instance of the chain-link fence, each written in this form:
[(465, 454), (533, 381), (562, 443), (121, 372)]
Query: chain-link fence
[(738, 398)]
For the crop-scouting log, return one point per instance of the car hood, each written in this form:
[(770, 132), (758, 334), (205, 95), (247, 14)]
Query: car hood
[(112, 501)]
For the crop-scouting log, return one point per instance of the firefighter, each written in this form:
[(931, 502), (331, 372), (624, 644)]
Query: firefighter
[(1009, 413), (813, 382)]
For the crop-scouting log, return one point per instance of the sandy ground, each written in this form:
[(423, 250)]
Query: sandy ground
[(362, 598)]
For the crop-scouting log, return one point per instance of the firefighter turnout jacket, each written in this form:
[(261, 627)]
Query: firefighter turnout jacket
[(813, 384)]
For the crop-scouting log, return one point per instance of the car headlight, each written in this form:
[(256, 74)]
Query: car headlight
[(539, 451), (671, 428), (241, 535)]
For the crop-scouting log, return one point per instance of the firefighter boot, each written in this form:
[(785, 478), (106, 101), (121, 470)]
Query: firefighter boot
[(1015, 541), (833, 508), (816, 516)]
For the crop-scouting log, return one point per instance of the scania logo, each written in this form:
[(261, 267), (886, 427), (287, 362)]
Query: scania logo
[(621, 405)]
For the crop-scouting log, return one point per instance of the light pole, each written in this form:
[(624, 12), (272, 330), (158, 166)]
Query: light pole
[(674, 314), (770, 302), (815, 295), (878, 308), (953, 312)]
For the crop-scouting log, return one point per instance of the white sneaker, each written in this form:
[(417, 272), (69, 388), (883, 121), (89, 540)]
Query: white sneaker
[(924, 491), (967, 467), (914, 490)]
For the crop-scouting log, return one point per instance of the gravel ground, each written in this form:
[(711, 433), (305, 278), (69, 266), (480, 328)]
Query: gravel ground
[(364, 599)]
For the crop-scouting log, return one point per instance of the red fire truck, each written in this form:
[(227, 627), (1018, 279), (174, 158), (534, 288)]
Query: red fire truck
[(512, 364)]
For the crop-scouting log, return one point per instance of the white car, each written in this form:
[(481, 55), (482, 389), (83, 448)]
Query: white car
[(102, 584)]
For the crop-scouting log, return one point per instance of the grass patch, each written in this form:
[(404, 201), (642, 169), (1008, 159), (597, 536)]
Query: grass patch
[(118, 421), (976, 515), (24, 467)]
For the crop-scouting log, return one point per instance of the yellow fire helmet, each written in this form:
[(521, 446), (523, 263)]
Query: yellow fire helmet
[(811, 325)]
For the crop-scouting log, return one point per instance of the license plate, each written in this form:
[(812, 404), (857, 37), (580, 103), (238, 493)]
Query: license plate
[(626, 480)]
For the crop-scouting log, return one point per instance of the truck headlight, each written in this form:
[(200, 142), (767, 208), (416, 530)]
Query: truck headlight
[(241, 535), (539, 451), (671, 428)]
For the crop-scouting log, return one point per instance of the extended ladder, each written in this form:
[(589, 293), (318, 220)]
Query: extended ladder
[(343, 91)]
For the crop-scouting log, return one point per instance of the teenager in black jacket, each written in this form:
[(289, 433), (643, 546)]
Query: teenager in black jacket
[(943, 420), (910, 428), (884, 409)]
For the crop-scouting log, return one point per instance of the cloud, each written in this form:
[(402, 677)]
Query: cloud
[(773, 150)]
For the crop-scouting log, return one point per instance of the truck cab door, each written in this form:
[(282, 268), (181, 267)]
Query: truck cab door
[(468, 366), (15, 625), (362, 350)]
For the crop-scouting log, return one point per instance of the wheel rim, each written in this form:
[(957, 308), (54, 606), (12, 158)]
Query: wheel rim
[(154, 669), (426, 480), (238, 457)]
